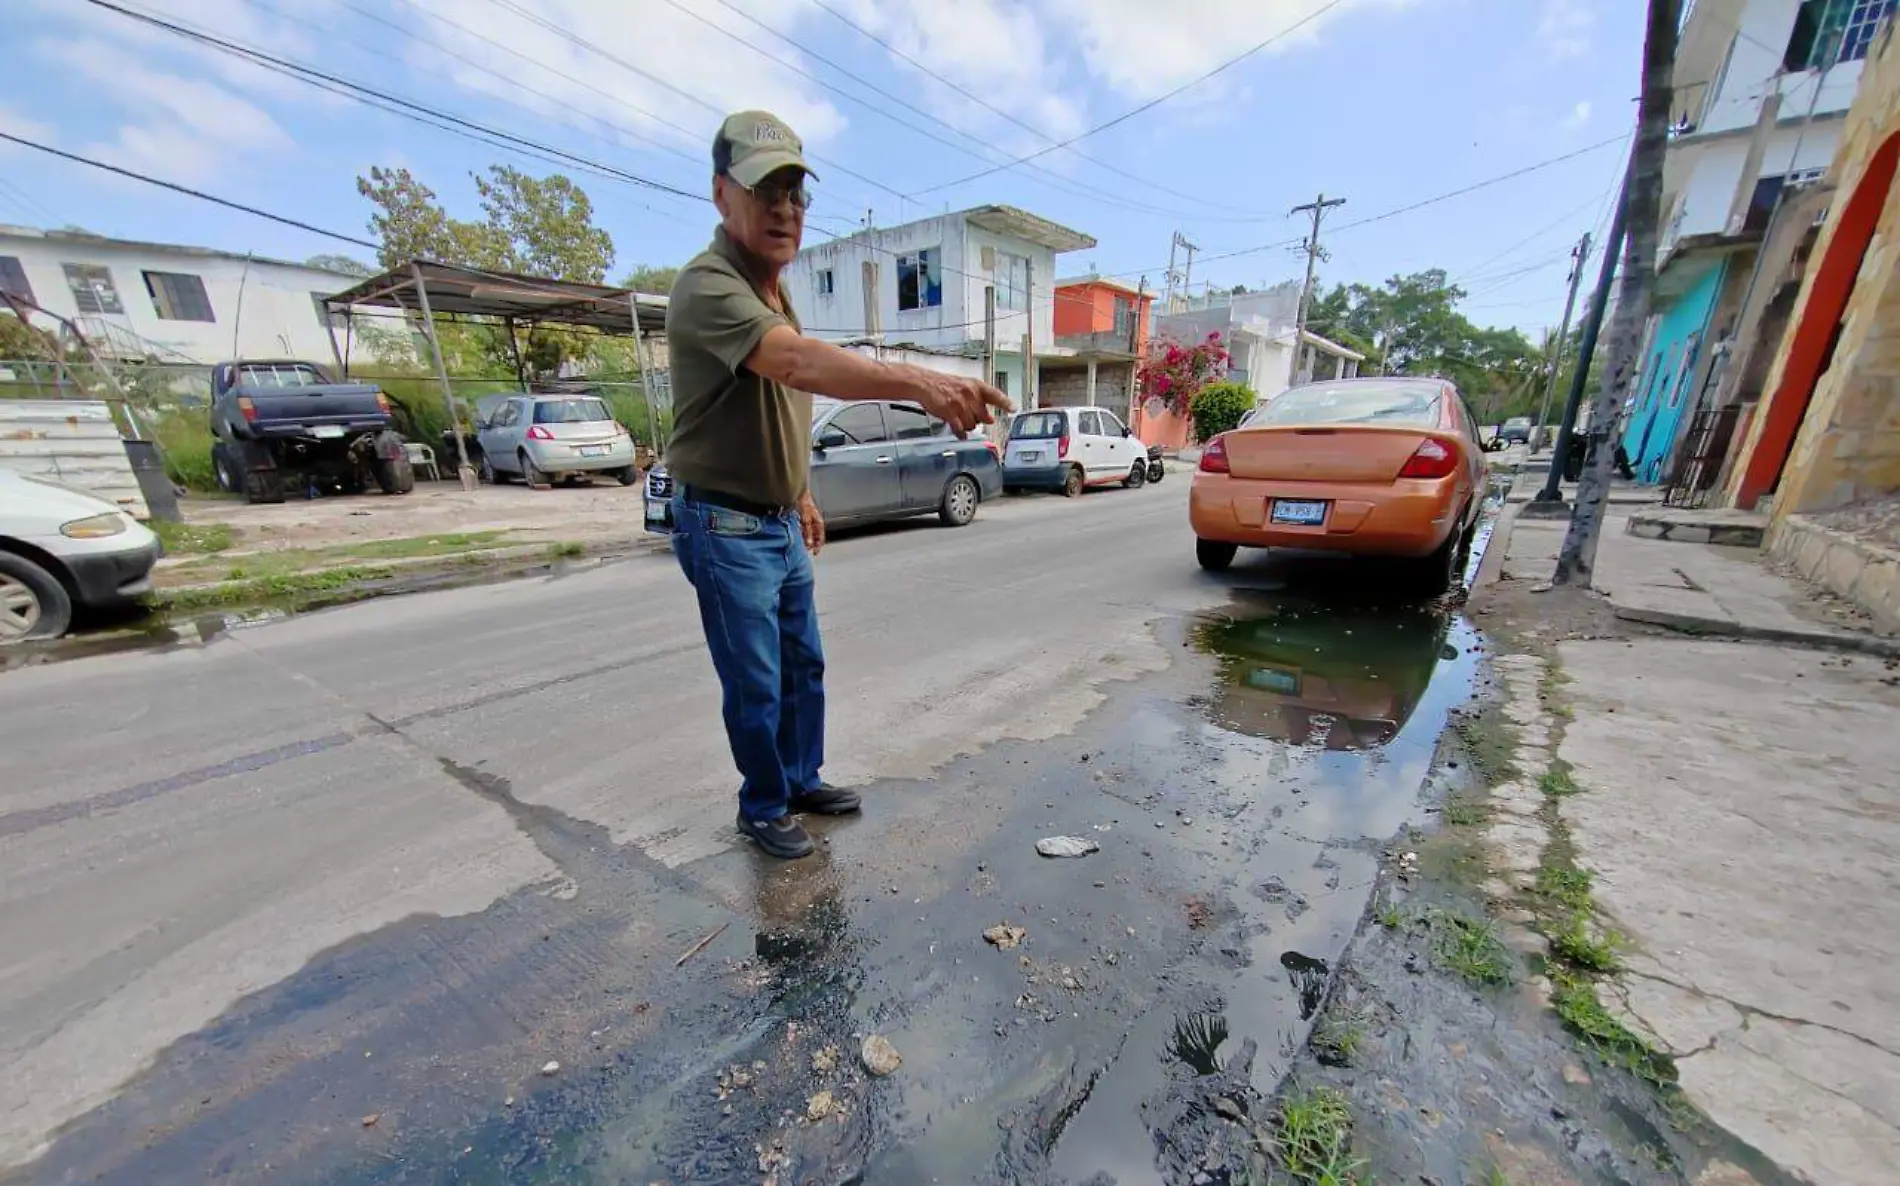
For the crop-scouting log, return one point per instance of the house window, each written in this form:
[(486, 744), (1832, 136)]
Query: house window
[(1002, 382), (825, 282), (1830, 31), (1012, 282), (1124, 317), (920, 279), (179, 296), (13, 278), (92, 287)]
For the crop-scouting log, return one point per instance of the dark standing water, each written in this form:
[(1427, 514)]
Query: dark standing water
[(1239, 821)]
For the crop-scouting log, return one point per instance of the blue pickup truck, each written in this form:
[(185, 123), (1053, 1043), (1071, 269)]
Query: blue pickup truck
[(281, 425)]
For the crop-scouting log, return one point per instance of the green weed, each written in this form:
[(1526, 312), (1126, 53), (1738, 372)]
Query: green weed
[(1576, 944), (274, 588), (1557, 782), (1566, 886), (1337, 1037), (566, 548), (1574, 997), (1315, 1138), (1389, 916), (1494, 1176), (1465, 813), (184, 538), (1471, 948)]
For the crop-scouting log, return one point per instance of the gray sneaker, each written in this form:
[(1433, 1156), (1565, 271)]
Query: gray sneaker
[(783, 837)]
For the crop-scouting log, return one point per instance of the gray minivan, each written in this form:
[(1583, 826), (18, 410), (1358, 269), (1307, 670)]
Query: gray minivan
[(875, 459)]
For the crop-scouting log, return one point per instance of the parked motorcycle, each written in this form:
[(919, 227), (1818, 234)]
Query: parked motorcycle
[(1155, 468)]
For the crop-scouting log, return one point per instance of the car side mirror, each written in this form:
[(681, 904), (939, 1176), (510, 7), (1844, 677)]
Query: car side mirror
[(1127, 431), (831, 438)]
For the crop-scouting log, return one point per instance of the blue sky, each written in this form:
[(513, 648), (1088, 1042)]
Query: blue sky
[(1385, 102)]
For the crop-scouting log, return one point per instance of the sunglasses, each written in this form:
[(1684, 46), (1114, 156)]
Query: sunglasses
[(772, 192)]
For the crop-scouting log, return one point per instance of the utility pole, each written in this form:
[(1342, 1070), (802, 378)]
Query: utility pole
[(1317, 208), (1578, 254), (1576, 562), (1031, 388), (1552, 495), (1179, 243)]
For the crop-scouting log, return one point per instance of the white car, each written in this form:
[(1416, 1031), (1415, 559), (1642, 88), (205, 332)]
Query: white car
[(1067, 449), (60, 548)]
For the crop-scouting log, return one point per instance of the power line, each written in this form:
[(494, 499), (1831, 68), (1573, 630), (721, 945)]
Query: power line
[(1291, 29), (973, 97), (189, 192)]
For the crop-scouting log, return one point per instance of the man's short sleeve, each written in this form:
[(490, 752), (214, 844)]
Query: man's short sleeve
[(721, 314)]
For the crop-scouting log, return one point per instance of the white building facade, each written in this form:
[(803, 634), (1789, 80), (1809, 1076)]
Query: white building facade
[(1763, 87), (170, 303), (1257, 328), (922, 284)]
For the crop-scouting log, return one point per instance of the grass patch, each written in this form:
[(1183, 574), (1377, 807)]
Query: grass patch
[(273, 589), (1574, 943), (1337, 1038), (1574, 997), (1567, 886), (1461, 812), (1389, 916), (1494, 1176), (1314, 1136), (1471, 948), (185, 538), (292, 561), (1488, 743), (421, 545), (1557, 781), (566, 549)]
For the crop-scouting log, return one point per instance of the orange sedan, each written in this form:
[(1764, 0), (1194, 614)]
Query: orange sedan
[(1375, 467)]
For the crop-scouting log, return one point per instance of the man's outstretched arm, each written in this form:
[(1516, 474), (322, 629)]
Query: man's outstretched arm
[(808, 364)]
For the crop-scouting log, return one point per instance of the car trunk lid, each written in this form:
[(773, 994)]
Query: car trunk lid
[(1322, 453)]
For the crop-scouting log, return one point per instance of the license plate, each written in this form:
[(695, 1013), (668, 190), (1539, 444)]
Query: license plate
[(1029, 455), (656, 512), (593, 450), (1289, 511), (1272, 679), (327, 432)]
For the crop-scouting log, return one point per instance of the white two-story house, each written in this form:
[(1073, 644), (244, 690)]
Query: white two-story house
[(1761, 89), (922, 285), (169, 303)]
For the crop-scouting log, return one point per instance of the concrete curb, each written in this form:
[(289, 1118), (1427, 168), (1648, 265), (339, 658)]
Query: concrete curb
[(1701, 627), (1492, 566)]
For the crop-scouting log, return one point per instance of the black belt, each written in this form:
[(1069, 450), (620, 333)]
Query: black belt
[(731, 502)]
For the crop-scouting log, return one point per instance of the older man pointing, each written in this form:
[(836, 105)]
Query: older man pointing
[(745, 525)]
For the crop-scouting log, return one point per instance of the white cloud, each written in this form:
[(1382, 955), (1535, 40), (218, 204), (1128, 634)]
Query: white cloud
[(25, 126), (1142, 48), (1579, 116), (1565, 28), (182, 128)]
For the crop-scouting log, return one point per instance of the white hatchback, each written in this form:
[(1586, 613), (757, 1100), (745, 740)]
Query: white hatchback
[(61, 547), (1068, 449)]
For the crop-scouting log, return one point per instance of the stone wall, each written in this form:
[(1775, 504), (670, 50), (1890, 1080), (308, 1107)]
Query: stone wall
[(1068, 387)]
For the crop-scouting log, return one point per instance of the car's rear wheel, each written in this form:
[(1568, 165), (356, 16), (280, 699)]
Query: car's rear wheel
[(394, 475), (1214, 555), (1072, 482), (530, 472), (487, 472), (33, 604), (960, 499), (225, 469), (627, 476), (1441, 570), (1137, 477)]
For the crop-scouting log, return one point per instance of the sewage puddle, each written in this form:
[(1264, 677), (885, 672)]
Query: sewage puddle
[(707, 1021)]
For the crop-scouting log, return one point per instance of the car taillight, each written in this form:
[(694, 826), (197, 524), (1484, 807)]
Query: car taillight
[(620, 430), (1432, 459), (540, 433), (1214, 456), (248, 407), (1062, 446), (995, 449), (382, 401)]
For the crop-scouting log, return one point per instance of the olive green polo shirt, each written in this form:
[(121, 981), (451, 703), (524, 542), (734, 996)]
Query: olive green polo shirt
[(734, 431)]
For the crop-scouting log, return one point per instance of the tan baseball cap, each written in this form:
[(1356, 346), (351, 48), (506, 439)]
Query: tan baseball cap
[(759, 144)]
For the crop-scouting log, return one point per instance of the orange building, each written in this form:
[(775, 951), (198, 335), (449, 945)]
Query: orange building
[(1102, 328)]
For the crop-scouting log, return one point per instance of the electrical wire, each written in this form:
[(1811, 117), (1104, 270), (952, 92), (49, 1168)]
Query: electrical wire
[(1132, 112), (973, 97)]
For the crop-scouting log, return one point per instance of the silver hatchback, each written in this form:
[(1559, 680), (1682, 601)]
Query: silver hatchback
[(543, 438)]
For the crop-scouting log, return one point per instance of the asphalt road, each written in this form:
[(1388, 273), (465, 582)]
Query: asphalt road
[(316, 900)]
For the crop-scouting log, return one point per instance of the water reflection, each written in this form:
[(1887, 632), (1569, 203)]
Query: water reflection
[(1329, 677), (1197, 1040)]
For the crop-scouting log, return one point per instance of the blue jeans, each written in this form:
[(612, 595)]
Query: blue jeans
[(754, 581)]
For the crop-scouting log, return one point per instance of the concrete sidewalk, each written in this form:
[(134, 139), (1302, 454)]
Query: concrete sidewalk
[(1739, 812), (1695, 588)]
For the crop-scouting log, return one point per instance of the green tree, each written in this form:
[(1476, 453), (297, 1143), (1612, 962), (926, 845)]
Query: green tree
[(650, 278), (339, 263), (544, 226)]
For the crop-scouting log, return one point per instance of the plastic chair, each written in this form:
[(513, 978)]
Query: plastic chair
[(422, 458)]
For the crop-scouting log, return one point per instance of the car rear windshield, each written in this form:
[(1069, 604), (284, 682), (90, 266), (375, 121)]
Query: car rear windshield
[(1353, 403), (1037, 426), (280, 375), (570, 411)]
